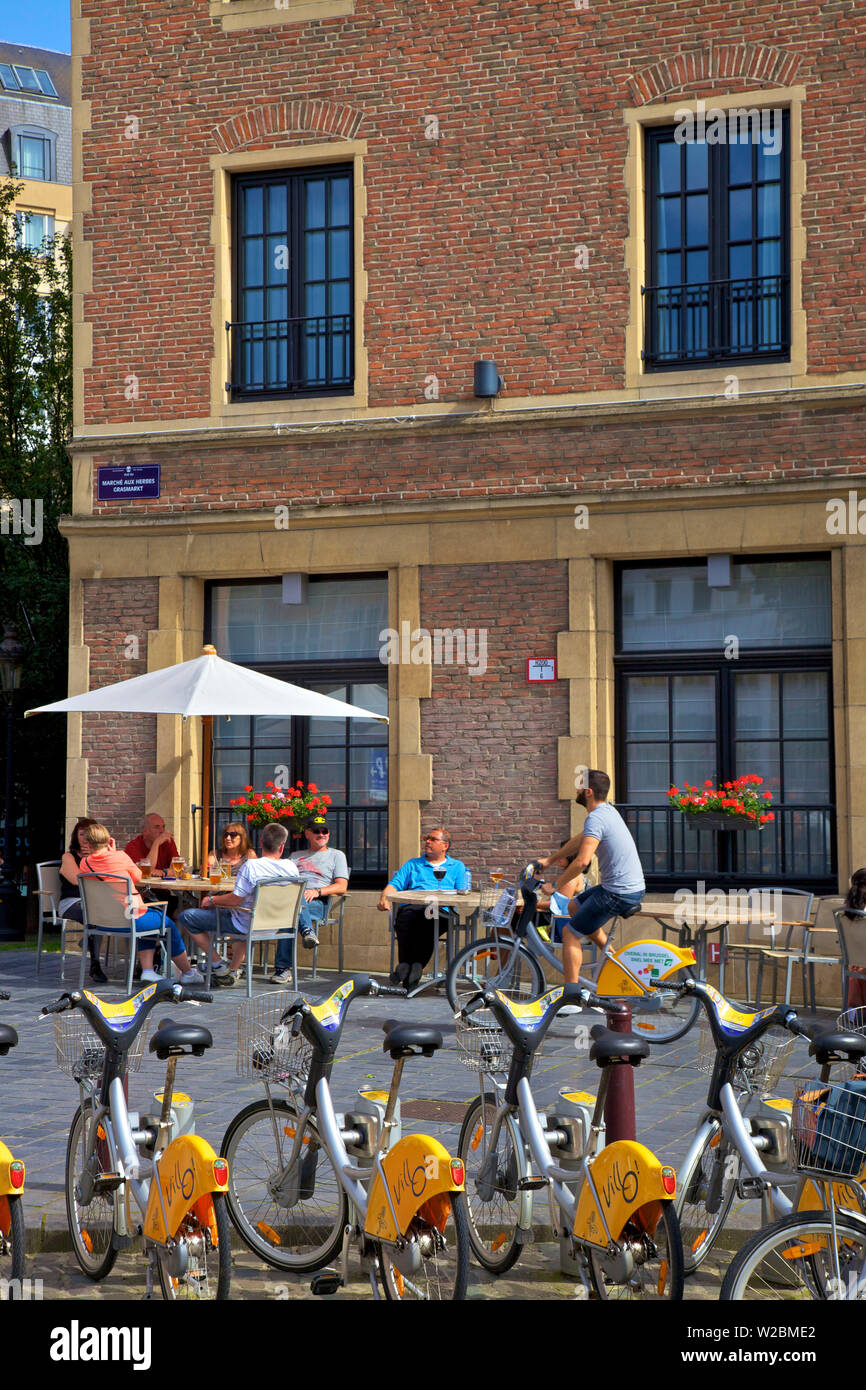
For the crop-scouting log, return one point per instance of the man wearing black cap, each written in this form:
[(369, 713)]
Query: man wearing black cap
[(324, 874)]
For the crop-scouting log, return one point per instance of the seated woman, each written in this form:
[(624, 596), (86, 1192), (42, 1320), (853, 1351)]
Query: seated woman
[(70, 902), (103, 857), (235, 850)]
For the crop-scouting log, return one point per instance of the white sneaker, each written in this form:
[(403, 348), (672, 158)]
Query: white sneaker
[(569, 1011), (220, 967), (192, 977), (150, 977)]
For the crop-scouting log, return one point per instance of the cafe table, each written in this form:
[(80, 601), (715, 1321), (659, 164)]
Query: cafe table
[(693, 924), (464, 908)]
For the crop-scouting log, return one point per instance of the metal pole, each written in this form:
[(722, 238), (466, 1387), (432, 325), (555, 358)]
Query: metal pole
[(9, 828), (619, 1117)]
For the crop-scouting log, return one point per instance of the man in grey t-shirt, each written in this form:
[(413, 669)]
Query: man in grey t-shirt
[(324, 874), (622, 886)]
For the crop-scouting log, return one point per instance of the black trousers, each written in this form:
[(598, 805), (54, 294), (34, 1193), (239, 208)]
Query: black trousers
[(416, 934), (94, 943)]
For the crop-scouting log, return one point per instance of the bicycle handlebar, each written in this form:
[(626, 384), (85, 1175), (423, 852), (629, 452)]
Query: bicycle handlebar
[(66, 1001), (394, 991), (192, 994)]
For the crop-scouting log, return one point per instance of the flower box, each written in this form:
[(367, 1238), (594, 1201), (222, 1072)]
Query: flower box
[(717, 820)]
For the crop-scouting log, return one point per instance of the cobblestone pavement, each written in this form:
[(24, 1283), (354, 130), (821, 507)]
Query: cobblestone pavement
[(37, 1103)]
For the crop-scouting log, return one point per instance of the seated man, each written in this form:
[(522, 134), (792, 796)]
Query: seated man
[(414, 926), (154, 844), (324, 874), (271, 867)]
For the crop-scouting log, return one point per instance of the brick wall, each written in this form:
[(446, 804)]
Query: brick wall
[(787, 446), (121, 748), (470, 238), (493, 736)]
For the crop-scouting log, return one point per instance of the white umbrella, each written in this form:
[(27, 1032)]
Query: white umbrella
[(207, 686)]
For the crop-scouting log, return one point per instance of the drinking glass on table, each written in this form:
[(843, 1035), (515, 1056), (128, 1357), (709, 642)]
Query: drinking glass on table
[(496, 875), (215, 875), (225, 869), (177, 865)]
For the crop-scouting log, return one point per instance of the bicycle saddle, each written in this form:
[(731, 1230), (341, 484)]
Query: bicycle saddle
[(616, 1047), (8, 1038), (172, 1039), (837, 1047), (401, 1038)]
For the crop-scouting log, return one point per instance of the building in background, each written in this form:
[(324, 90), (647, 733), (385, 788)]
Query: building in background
[(300, 228), (36, 137)]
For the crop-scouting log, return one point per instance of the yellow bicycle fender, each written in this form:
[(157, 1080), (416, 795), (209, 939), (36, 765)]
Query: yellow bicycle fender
[(815, 1195), (11, 1175), (418, 1169), (649, 960), (626, 1176), (189, 1170)]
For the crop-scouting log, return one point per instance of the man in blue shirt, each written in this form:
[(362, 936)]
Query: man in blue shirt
[(414, 927), (622, 886)]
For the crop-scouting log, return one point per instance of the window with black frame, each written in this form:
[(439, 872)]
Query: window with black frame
[(327, 642), (292, 330), (718, 244), (717, 681)]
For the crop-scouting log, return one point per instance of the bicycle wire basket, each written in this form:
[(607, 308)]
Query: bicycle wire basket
[(828, 1127), (80, 1051), (759, 1068), (497, 907), (481, 1044), (267, 1051)]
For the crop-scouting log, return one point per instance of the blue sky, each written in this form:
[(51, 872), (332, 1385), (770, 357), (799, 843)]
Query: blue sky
[(40, 23)]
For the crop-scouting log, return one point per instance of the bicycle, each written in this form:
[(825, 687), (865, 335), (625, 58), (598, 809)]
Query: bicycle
[(612, 1207), (12, 1173), (509, 958), (307, 1183), (743, 1124), (817, 1252), (113, 1155)]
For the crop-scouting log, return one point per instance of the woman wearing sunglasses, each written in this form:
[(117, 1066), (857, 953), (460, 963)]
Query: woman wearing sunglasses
[(235, 847)]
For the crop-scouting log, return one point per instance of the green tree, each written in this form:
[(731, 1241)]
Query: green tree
[(35, 490)]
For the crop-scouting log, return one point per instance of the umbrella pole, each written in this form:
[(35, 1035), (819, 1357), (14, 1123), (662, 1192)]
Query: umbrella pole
[(207, 744)]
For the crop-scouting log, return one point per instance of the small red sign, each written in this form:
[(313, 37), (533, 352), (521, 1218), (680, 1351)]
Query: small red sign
[(715, 953), (540, 669)]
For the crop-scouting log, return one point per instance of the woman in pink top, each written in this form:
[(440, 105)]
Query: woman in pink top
[(103, 857)]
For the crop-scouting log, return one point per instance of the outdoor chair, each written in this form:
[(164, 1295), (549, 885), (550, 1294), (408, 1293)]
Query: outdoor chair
[(274, 914), (794, 904), (852, 940), (49, 892), (104, 899), (336, 906), (803, 944)]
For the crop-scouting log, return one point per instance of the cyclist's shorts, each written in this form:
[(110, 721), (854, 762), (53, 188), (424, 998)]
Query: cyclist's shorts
[(598, 905)]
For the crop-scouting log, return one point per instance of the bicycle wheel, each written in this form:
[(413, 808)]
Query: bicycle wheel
[(492, 964), (435, 1264), (491, 1184), (13, 1242), (89, 1203), (293, 1218), (800, 1259), (199, 1264), (657, 1269), (704, 1198), (668, 1019)]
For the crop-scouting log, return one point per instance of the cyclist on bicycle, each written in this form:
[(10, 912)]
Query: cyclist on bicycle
[(622, 887)]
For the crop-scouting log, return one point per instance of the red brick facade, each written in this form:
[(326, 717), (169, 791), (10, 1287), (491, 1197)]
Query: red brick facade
[(469, 238), (493, 735), (121, 748)]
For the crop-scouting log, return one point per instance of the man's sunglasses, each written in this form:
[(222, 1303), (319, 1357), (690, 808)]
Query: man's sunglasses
[(321, 832)]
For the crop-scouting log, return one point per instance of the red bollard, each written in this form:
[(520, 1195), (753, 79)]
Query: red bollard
[(619, 1115)]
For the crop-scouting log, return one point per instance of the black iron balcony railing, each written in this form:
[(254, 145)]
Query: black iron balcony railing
[(361, 832), (723, 319), (798, 848), (280, 357)]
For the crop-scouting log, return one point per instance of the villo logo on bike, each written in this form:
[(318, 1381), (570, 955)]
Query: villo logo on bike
[(530, 1015)]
